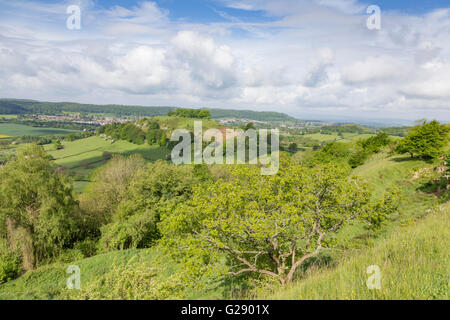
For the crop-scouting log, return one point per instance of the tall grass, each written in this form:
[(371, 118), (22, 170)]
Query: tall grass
[(414, 264)]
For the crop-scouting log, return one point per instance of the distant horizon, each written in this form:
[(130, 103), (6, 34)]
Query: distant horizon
[(331, 118)]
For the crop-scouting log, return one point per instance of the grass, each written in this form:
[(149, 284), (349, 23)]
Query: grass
[(83, 156), (8, 116), (414, 264), (49, 282), (18, 130), (2, 136), (91, 149), (411, 251)]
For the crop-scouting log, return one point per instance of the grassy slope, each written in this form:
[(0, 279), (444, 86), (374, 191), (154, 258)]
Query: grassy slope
[(414, 264), (412, 255), (48, 282)]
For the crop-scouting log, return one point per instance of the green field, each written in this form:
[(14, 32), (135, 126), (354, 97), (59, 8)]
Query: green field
[(18, 130), (8, 116), (83, 156)]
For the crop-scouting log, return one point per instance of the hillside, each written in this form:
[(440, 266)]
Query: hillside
[(16, 106), (414, 264), (411, 251)]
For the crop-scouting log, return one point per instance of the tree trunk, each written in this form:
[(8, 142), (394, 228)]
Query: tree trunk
[(28, 252)]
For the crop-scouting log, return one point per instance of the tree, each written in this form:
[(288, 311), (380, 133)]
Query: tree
[(156, 189), (57, 144), (111, 181), (268, 225), (425, 141), (293, 147), (37, 205)]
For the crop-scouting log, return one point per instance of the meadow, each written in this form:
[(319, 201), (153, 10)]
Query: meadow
[(18, 130), (82, 157), (414, 264)]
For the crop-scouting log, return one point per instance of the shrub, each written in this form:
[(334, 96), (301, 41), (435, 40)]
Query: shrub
[(9, 263)]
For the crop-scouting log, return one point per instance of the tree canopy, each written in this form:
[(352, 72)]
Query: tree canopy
[(37, 206), (426, 140), (268, 225)]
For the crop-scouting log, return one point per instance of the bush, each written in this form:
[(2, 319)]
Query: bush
[(357, 159), (137, 281), (138, 231), (157, 189), (9, 263)]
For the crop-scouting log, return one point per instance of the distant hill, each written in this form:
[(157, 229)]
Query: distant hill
[(18, 106), (251, 115)]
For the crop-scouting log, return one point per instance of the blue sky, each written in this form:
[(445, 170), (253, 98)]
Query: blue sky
[(308, 58)]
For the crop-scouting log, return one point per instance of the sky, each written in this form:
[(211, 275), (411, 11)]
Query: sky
[(312, 59)]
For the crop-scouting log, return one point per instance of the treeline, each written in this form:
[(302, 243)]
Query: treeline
[(13, 106), (52, 124), (396, 131), (353, 128), (190, 113), (152, 134), (47, 139), (58, 108)]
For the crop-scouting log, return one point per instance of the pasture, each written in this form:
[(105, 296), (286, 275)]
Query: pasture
[(19, 130), (82, 157)]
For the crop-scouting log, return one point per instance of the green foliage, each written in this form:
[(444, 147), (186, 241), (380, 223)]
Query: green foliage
[(425, 141), (123, 131), (334, 152), (413, 261), (374, 144), (57, 144), (9, 262), (348, 128), (157, 189), (101, 199), (190, 113), (38, 204), (368, 147), (358, 158), (266, 225), (137, 281)]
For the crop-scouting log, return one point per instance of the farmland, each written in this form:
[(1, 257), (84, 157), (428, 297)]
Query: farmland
[(82, 157), (18, 130)]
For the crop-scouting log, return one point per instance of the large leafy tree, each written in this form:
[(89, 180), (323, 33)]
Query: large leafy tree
[(268, 225), (36, 205), (425, 141), (153, 190)]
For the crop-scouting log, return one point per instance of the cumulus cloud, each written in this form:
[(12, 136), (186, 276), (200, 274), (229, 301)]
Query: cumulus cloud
[(310, 57)]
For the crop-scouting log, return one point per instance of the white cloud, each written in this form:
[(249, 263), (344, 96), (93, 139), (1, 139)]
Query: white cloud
[(314, 57)]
